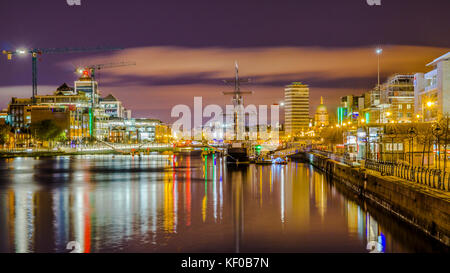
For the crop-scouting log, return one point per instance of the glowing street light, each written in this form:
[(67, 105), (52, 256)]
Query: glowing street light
[(430, 104), (21, 51)]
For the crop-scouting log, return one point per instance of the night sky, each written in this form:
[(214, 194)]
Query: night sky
[(185, 48)]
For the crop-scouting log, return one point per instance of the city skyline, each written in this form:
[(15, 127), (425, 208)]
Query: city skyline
[(205, 131), (172, 65)]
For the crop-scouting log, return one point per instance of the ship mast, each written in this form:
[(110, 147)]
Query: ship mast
[(237, 100)]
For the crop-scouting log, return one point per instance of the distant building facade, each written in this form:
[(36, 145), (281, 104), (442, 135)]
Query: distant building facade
[(351, 109)]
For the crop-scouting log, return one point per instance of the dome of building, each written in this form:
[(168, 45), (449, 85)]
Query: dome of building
[(321, 108), (321, 117)]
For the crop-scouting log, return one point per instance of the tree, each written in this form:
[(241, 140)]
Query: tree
[(46, 130), (4, 133)]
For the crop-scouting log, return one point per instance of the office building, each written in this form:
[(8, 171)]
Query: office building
[(432, 90), (397, 99), (296, 96)]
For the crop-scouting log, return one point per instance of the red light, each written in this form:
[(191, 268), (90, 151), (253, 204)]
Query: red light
[(86, 73)]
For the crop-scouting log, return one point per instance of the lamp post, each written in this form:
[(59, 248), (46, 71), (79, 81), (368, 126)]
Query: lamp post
[(378, 51), (412, 132), (393, 132), (437, 132)]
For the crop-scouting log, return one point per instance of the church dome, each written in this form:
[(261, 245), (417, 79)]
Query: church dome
[(321, 116), (321, 109)]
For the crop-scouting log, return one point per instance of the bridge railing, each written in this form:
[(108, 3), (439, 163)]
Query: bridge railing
[(287, 152), (433, 178)]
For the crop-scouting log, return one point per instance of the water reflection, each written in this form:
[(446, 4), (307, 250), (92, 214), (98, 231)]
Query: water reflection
[(180, 203)]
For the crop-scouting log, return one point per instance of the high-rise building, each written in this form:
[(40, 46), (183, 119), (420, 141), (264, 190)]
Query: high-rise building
[(88, 86), (432, 90), (296, 96)]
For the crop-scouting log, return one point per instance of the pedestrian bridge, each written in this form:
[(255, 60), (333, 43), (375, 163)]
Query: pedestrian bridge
[(287, 152)]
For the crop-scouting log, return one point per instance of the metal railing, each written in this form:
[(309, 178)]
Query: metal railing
[(434, 178), (340, 158)]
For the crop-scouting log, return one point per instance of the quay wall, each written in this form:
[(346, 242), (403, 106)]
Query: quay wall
[(425, 208)]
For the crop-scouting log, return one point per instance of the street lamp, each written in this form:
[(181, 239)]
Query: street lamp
[(412, 133), (438, 132), (21, 51), (378, 51), (429, 104)]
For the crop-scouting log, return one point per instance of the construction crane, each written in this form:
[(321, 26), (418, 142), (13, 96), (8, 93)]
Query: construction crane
[(93, 68), (35, 52)]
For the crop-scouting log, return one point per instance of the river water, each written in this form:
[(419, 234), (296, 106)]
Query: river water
[(182, 203)]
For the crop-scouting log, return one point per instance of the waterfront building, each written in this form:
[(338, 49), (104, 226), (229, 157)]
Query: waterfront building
[(163, 133), (82, 114), (432, 90), (397, 99), (4, 117), (296, 97), (321, 116), (64, 104), (87, 86), (113, 107), (136, 130)]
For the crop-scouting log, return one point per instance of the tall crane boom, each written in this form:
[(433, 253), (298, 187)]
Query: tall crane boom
[(35, 52), (94, 67)]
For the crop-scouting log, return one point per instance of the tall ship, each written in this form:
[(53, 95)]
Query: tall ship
[(238, 150)]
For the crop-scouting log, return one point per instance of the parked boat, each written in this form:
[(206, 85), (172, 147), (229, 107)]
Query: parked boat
[(238, 153), (280, 161)]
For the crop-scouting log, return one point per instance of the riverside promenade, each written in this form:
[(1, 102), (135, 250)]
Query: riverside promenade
[(422, 205)]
